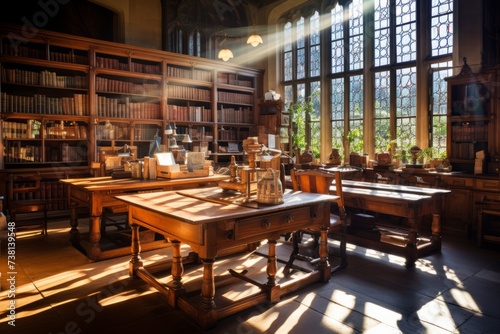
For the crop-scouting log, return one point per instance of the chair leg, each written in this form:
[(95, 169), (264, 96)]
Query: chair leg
[(342, 250), (295, 252), (45, 223)]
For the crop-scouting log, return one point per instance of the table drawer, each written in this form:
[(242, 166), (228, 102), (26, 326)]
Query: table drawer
[(487, 184), (458, 182), (286, 221)]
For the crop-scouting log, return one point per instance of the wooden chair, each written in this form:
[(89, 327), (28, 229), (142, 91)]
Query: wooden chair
[(25, 202), (319, 181)]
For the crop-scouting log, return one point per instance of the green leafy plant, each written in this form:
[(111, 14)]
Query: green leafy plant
[(355, 140), (300, 115)]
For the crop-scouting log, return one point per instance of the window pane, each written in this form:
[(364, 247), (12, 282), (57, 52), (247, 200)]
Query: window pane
[(356, 35), (406, 30), (300, 33), (287, 66), (316, 100), (337, 39), (382, 32), (315, 61), (441, 27), (287, 52), (382, 110), (287, 37), (337, 106), (406, 106), (439, 106), (338, 99), (356, 112), (301, 54), (288, 99)]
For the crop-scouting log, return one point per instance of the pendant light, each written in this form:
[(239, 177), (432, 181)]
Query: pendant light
[(225, 54), (255, 40)]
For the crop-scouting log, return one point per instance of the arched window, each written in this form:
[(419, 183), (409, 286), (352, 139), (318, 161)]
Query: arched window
[(302, 71), (380, 54)]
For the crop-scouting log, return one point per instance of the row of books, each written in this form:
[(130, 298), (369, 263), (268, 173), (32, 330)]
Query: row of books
[(463, 151), (14, 130), (123, 108), (120, 86), (233, 79), (227, 135), (42, 104), (43, 78), (32, 129), (145, 132), (189, 93), (55, 195), (52, 191), (469, 132), (231, 97), (70, 57), (15, 153), (112, 131), (189, 113), (10, 49), (73, 153), (188, 73), (232, 115), (122, 64)]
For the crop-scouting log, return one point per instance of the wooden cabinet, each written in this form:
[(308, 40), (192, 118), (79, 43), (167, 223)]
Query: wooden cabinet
[(45, 110), (458, 205), (236, 114), (471, 120), (64, 97)]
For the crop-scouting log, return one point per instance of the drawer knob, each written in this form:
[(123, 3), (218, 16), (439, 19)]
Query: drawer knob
[(266, 224), (314, 215), (290, 219), (229, 235)]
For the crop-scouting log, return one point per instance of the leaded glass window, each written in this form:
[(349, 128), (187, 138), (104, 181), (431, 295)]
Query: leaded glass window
[(315, 47), (441, 27), (356, 35)]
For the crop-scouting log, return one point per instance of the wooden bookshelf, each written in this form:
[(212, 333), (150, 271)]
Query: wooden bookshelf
[(106, 94)]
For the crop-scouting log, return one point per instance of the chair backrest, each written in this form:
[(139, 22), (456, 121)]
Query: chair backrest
[(318, 181), (24, 187)]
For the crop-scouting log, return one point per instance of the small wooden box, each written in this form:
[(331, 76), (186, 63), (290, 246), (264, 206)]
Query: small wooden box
[(168, 173)]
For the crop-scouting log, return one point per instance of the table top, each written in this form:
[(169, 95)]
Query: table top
[(386, 195), (108, 183), (394, 188), (212, 204)]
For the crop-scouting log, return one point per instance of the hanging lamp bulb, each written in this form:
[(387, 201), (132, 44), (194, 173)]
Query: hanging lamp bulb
[(254, 40), (225, 54)]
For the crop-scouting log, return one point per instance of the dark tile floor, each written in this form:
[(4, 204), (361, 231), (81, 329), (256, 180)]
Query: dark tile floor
[(57, 290)]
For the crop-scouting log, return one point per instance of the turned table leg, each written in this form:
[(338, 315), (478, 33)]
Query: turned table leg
[(177, 267), (411, 246), (94, 237), (436, 229), (74, 234), (136, 261), (207, 316)]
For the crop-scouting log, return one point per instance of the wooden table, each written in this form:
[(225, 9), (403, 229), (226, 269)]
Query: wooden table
[(412, 203), (99, 192), (210, 222)]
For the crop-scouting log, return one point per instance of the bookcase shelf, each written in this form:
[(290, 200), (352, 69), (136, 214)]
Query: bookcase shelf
[(470, 126), (115, 95)]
